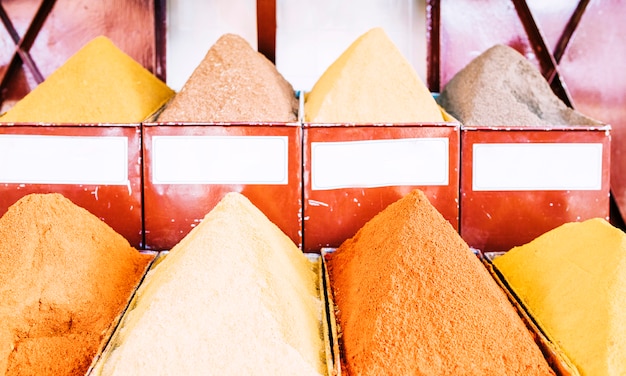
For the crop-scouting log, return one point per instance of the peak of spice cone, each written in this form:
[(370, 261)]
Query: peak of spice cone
[(98, 84), (412, 299), (64, 277), (233, 83), (371, 82), (501, 87), (572, 280), (234, 297)]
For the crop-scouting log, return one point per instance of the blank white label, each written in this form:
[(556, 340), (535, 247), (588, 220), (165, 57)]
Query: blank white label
[(528, 167), (220, 160), (379, 163), (35, 159)]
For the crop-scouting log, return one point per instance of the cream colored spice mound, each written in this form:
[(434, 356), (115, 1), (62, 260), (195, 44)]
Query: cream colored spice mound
[(64, 277), (371, 82), (233, 83), (234, 297)]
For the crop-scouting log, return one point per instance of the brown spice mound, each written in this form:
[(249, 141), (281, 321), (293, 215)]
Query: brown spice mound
[(501, 87), (64, 277), (233, 83), (412, 299)]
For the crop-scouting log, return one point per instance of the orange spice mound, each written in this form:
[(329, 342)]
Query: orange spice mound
[(412, 299), (233, 83), (64, 277)]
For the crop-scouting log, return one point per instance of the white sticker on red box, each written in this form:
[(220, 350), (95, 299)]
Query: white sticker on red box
[(537, 166), (37, 159), (379, 163), (220, 160)]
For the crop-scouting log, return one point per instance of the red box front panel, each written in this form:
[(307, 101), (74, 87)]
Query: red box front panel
[(97, 167), (517, 184), (351, 173), (189, 168)]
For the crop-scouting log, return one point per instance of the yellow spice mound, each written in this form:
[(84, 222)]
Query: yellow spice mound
[(371, 82), (573, 282), (234, 297), (98, 84)]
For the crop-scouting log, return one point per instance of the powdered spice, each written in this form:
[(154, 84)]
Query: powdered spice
[(412, 299), (98, 84), (64, 277), (371, 82), (501, 87), (234, 297), (233, 83)]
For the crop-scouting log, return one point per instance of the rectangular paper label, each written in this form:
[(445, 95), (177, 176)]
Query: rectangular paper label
[(537, 167), (220, 160), (379, 163), (35, 159)]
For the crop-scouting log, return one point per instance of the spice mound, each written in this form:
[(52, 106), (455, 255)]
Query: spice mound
[(234, 297), (64, 278), (572, 281), (501, 87), (412, 299), (98, 84), (233, 83), (371, 82)]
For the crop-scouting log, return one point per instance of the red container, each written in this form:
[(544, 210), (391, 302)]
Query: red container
[(96, 166), (520, 182), (352, 172), (188, 168)]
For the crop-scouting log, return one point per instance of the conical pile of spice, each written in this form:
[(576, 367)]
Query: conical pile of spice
[(233, 83), (501, 87), (572, 281), (234, 297), (98, 84), (64, 278), (412, 299), (371, 82)]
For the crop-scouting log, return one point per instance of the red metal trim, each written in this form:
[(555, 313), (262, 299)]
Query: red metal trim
[(160, 39), (266, 28), (23, 55), (24, 44), (570, 27), (547, 63), (433, 42)]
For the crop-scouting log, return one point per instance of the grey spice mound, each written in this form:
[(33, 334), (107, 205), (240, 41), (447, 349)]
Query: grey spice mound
[(501, 87)]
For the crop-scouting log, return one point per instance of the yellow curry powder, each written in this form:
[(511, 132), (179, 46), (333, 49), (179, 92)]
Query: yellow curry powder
[(572, 280), (412, 299), (98, 84), (371, 82), (64, 277)]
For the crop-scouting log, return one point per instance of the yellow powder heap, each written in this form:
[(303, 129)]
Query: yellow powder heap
[(371, 82), (98, 84), (234, 297), (64, 277), (233, 83), (412, 299), (572, 280)]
